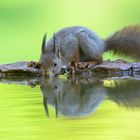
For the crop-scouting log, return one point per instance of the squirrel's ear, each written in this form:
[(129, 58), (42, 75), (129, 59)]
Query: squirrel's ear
[(44, 43), (56, 47)]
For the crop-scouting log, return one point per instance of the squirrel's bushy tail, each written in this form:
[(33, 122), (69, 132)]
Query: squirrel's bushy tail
[(125, 42)]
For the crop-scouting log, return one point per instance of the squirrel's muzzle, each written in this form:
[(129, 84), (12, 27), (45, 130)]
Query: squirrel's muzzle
[(47, 73)]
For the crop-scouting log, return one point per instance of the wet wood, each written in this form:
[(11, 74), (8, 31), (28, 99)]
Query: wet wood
[(118, 67), (111, 68), (20, 69)]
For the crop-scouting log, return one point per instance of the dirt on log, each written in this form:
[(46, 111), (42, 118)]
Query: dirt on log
[(118, 67)]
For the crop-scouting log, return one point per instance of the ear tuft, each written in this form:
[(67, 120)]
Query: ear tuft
[(56, 47), (44, 43), (54, 43)]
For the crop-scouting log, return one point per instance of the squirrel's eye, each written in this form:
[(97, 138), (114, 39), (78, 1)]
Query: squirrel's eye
[(55, 64)]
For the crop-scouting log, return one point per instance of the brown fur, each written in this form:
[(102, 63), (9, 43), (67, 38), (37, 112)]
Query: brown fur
[(125, 42)]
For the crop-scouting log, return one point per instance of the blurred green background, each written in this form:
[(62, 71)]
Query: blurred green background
[(23, 22), (22, 26)]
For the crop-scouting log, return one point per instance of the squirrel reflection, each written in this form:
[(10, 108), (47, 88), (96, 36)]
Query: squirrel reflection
[(75, 98)]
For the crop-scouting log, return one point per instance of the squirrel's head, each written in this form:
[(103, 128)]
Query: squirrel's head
[(50, 60)]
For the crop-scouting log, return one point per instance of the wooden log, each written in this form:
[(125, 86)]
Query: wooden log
[(118, 67), (20, 69)]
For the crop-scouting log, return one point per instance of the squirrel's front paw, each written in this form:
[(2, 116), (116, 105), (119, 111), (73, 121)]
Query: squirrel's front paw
[(72, 67)]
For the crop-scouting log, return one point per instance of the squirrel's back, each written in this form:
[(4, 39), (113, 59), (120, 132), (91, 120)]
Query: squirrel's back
[(67, 30), (82, 39)]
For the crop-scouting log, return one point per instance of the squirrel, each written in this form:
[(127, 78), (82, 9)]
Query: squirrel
[(75, 44)]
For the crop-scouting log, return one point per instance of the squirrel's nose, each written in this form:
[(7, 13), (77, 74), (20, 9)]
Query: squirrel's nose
[(50, 73), (47, 73), (44, 73)]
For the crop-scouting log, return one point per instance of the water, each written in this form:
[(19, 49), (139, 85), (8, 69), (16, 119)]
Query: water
[(60, 108)]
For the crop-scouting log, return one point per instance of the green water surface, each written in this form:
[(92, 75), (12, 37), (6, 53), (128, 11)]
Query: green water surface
[(65, 109)]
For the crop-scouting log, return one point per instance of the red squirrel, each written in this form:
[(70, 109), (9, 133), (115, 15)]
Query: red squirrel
[(79, 44)]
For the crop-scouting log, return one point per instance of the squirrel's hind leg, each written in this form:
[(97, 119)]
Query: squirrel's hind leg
[(86, 64), (83, 65), (96, 62)]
